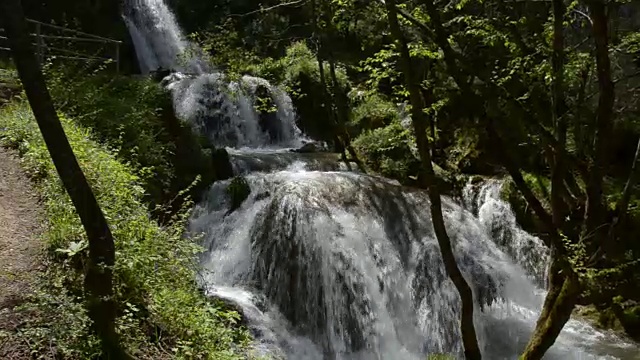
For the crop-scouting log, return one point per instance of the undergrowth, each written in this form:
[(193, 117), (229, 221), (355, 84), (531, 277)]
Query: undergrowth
[(161, 313), (135, 117)]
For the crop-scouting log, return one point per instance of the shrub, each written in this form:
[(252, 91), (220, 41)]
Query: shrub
[(387, 151), (372, 111), (160, 310)]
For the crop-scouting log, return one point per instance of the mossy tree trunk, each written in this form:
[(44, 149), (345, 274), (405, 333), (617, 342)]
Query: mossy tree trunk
[(563, 287), (469, 338), (98, 278)]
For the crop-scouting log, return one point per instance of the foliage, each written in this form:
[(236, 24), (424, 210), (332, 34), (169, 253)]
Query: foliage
[(371, 111), (388, 151), (440, 357), (161, 313)]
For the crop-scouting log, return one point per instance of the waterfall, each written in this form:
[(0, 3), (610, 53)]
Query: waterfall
[(499, 220), (326, 263), (158, 39), (227, 111), (346, 266)]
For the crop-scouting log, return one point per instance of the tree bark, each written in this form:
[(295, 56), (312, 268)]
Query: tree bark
[(594, 231), (469, 338), (98, 279), (559, 305), (559, 208)]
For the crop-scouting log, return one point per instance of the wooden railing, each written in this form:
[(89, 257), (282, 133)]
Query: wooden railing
[(60, 42)]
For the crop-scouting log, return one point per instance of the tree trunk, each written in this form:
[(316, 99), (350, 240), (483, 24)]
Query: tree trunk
[(469, 339), (341, 112), (326, 96), (594, 231), (559, 208), (564, 288), (559, 305), (98, 279)]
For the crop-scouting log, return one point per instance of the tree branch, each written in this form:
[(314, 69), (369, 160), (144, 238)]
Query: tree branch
[(292, 3)]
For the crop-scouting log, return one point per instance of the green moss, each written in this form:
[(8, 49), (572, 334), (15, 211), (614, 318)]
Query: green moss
[(159, 305), (440, 357)]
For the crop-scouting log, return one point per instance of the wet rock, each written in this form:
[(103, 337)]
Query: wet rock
[(306, 149), (222, 164), (267, 116), (160, 74), (309, 148), (238, 191)]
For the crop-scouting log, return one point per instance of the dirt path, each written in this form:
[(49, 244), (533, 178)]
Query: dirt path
[(20, 247)]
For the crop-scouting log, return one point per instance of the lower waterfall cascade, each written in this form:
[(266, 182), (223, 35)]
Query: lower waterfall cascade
[(327, 263), (340, 265)]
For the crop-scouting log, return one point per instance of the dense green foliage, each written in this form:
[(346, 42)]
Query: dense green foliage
[(161, 312)]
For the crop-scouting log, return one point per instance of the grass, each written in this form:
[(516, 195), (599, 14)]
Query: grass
[(161, 312)]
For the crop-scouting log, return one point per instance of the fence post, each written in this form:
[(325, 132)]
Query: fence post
[(117, 58), (39, 44)]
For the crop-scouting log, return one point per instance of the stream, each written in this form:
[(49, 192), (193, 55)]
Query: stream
[(328, 263)]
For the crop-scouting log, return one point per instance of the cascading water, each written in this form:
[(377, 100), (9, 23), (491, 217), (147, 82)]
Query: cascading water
[(158, 39), (225, 110), (329, 264), (345, 266)]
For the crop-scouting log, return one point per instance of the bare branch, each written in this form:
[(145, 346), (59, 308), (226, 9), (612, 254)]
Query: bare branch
[(261, 10), (583, 14)]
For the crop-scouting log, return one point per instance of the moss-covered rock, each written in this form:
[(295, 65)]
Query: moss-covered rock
[(238, 191)]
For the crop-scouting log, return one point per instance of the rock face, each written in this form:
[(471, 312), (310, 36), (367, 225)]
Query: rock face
[(222, 164), (8, 90), (306, 149), (160, 74)]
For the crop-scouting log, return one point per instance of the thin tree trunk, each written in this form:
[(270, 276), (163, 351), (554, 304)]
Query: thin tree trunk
[(563, 288), (559, 208), (595, 213), (341, 111), (98, 279), (326, 96), (469, 338)]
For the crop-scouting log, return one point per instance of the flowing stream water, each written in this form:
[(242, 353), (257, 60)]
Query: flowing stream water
[(327, 263)]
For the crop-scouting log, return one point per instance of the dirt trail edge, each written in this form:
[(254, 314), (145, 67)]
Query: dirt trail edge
[(20, 246)]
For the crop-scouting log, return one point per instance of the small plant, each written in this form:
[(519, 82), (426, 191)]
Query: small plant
[(440, 357)]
